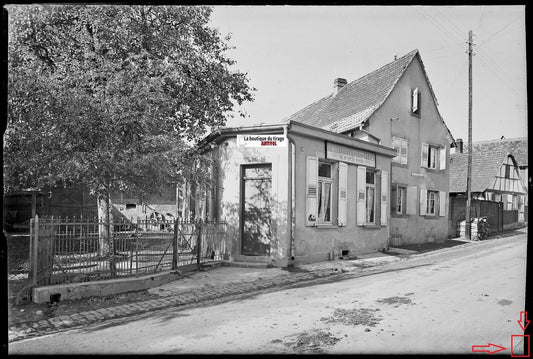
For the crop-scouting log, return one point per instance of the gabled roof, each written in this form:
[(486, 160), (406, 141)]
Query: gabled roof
[(515, 146), (485, 166), (358, 100)]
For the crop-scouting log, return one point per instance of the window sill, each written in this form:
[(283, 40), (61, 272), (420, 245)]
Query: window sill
[(414, 114), (325, 225), (431, 216), (371, 226), (399, 215)]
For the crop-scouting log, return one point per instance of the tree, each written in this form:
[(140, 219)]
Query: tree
[(113, 97)]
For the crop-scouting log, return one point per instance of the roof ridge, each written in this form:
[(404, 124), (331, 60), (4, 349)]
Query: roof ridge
[(500, 140)]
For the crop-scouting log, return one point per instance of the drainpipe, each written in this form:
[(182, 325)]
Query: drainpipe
[(290, 183)]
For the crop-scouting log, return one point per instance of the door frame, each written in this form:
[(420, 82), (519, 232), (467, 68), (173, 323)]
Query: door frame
[(242, 197)]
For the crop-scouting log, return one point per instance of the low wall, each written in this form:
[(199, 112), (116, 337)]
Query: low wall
[(72, 291)]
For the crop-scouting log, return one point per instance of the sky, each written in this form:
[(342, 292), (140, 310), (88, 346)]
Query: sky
[(292, 54)]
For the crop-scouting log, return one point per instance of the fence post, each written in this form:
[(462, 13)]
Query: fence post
[(199, 243), (175, 245), (34, 257)]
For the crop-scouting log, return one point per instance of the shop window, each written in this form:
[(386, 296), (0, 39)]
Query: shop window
[(400, 145), (321, 182), (370, 197), (433, 157), (415, 102), (325, 182)]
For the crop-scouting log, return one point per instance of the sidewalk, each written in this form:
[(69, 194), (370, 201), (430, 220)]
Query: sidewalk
[(196, 288)]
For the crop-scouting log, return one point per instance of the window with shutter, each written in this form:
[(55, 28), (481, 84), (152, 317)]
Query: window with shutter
[(415, 102), (400, 145)]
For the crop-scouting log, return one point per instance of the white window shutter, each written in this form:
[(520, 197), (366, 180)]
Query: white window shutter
[(442, 159), (311, 191), (442, 203), (361, 196), (424, 156), (423, 201), (343, 194), (384, 196), (405, 153), (415, 100), (410, 203)]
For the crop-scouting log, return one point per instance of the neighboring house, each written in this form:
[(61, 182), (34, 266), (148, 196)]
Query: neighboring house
[(159, 205), (61, 201), (395, 106), (294, 193), (495, 177), (75, 201)]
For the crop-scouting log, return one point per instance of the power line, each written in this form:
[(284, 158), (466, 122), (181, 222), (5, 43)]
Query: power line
[(497, 32), (438, 25)]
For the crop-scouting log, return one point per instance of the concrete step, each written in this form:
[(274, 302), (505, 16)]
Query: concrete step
[(245, 264)]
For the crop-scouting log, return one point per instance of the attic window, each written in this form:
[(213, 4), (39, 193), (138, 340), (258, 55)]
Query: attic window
[(131, 205), (415, 102)]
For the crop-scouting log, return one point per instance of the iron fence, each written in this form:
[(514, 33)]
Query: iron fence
[(62, 250)]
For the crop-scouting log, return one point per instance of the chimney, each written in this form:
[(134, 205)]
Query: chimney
[(459, 145), (338, 84)]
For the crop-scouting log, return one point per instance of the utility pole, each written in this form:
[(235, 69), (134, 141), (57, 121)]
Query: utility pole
[(468, 233)]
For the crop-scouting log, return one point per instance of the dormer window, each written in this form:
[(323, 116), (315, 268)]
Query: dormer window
[(415, 102)]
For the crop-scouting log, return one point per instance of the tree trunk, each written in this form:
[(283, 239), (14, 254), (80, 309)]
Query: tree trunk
[(104, 219), (106, 243)]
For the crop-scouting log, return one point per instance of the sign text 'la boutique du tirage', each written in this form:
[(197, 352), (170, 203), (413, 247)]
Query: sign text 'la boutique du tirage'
[(261, 141)]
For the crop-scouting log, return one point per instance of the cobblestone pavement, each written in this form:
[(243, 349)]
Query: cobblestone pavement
[(208, 288)]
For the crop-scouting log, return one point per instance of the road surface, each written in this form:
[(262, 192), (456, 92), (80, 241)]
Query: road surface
[(438, 303)]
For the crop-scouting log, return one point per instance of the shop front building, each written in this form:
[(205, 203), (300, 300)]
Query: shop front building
[(294, 193)]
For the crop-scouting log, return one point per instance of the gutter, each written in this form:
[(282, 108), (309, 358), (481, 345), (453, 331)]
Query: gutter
[(290, 186)]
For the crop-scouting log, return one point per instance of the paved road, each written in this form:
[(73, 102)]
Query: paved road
[(440, 303)]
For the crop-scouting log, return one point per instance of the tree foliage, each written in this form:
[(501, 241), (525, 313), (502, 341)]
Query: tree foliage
[(113, 97)]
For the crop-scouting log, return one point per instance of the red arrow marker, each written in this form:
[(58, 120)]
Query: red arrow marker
[(491, 348), (523, 318)]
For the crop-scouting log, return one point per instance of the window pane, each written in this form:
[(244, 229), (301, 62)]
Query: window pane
[(369, 177), (370, 204), (324, 170), (324, 202)]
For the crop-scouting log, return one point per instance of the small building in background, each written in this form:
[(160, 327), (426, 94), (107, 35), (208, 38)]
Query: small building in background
[(495, 178)]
